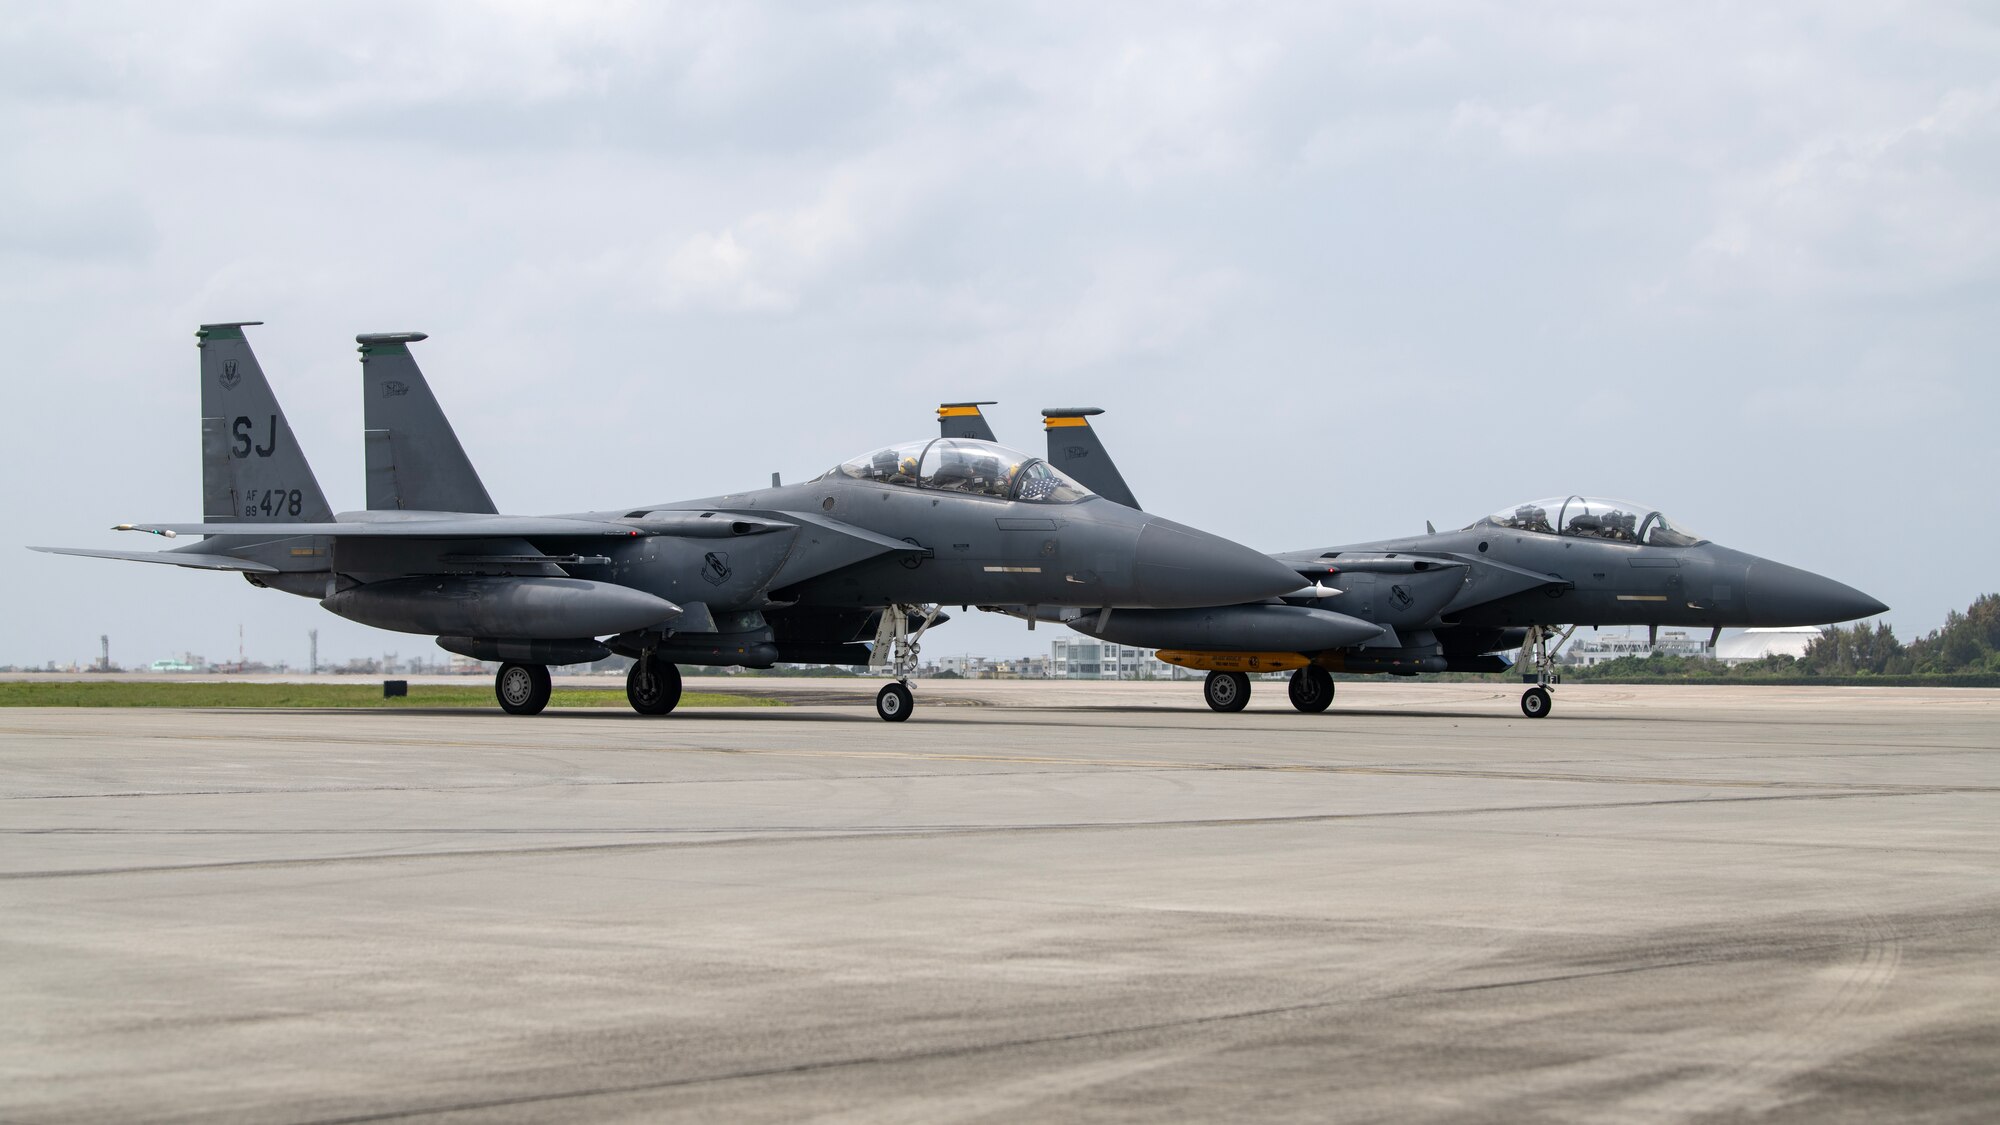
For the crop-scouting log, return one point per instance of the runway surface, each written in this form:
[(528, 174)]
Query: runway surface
[(1050, 902)]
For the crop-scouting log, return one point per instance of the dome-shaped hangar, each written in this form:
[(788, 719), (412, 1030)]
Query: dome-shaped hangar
[(1756, 644)]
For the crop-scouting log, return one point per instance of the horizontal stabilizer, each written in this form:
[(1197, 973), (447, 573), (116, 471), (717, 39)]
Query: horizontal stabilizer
[(171, 558)]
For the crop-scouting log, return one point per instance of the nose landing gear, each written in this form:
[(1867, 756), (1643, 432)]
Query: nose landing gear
[(893, 702), (896, 649), (1539, 652)]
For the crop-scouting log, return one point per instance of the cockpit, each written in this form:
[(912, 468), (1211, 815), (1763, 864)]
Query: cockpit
[(982, 468), (1593, 517)]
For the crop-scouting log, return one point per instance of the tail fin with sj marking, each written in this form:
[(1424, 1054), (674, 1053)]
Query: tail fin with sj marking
[(1075, 449), (963, 419), (415, 462), (252, 470)]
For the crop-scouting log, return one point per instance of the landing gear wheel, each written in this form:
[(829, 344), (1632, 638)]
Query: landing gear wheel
[(894, 703), (653, 687), (523, 689), (1535, 703), (1226, 691), (1312, 689)]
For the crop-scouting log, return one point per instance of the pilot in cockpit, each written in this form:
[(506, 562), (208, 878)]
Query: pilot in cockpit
[(1528, 517)]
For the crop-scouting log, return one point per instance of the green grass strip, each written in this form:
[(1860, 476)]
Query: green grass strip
[(125, 693)]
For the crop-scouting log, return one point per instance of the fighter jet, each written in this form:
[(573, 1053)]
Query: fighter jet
[(1525, 578), (803, 573)]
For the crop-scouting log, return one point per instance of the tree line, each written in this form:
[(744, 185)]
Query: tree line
[(1967, 645)]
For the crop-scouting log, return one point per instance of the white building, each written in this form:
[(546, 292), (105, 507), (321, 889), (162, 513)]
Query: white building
[(1084, 658), (1597, 648)]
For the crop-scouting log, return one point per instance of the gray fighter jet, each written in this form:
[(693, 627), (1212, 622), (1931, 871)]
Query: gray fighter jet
[(807, 573), (1525, 578)]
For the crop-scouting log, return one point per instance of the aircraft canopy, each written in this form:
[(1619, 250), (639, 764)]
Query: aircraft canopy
[(982, 468), (1593, 517)]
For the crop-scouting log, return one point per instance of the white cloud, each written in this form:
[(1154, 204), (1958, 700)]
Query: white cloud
[(1457, 252), (1908, 208)]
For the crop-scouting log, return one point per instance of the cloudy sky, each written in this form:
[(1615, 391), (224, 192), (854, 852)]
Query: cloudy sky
[(1333, 269)]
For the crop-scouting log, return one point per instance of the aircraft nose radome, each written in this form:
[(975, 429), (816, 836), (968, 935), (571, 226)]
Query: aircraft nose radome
[(1785, 595), (1175, 566)]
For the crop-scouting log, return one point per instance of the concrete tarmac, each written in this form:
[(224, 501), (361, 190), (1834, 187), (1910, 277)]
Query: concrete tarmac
[(1049, 902)]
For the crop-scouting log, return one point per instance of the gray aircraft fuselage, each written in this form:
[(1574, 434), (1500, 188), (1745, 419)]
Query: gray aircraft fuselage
[(806, 573), (1571, 580), (1455, 600)]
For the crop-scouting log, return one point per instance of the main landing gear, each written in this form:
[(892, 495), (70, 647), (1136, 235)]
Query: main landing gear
[(1226, 691), (1541, 653), (523, 689), (653, 687), (1312, 689), (896, 649)]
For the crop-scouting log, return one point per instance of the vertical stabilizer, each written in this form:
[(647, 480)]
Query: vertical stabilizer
[(963, 419), (252, 469), (1075, 449), (415, 462)]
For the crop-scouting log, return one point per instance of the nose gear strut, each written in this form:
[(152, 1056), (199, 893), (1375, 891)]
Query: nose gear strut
[(896, 649), (1539, 652)]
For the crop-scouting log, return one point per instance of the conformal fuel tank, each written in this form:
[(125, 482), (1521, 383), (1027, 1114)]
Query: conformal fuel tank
[(1259, 627), (526, 608)]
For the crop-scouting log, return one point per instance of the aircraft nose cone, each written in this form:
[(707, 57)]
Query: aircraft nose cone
[(1175, 567), (1785, 595)]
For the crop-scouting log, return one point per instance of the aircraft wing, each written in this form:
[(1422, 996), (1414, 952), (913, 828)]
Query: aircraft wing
[(171, 558), (450, 527), (825, 545), (1492, 580)]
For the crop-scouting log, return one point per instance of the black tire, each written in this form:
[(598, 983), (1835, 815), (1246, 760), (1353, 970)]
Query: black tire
[(522, 689), (1226, 691), (894, 703), (1312, 689), (1535, 703), (653, 687)]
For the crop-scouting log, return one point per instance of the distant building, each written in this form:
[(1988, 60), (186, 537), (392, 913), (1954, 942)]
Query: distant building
[(1598, 648), (988, 668), (1756, 644), (1084, 658)]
